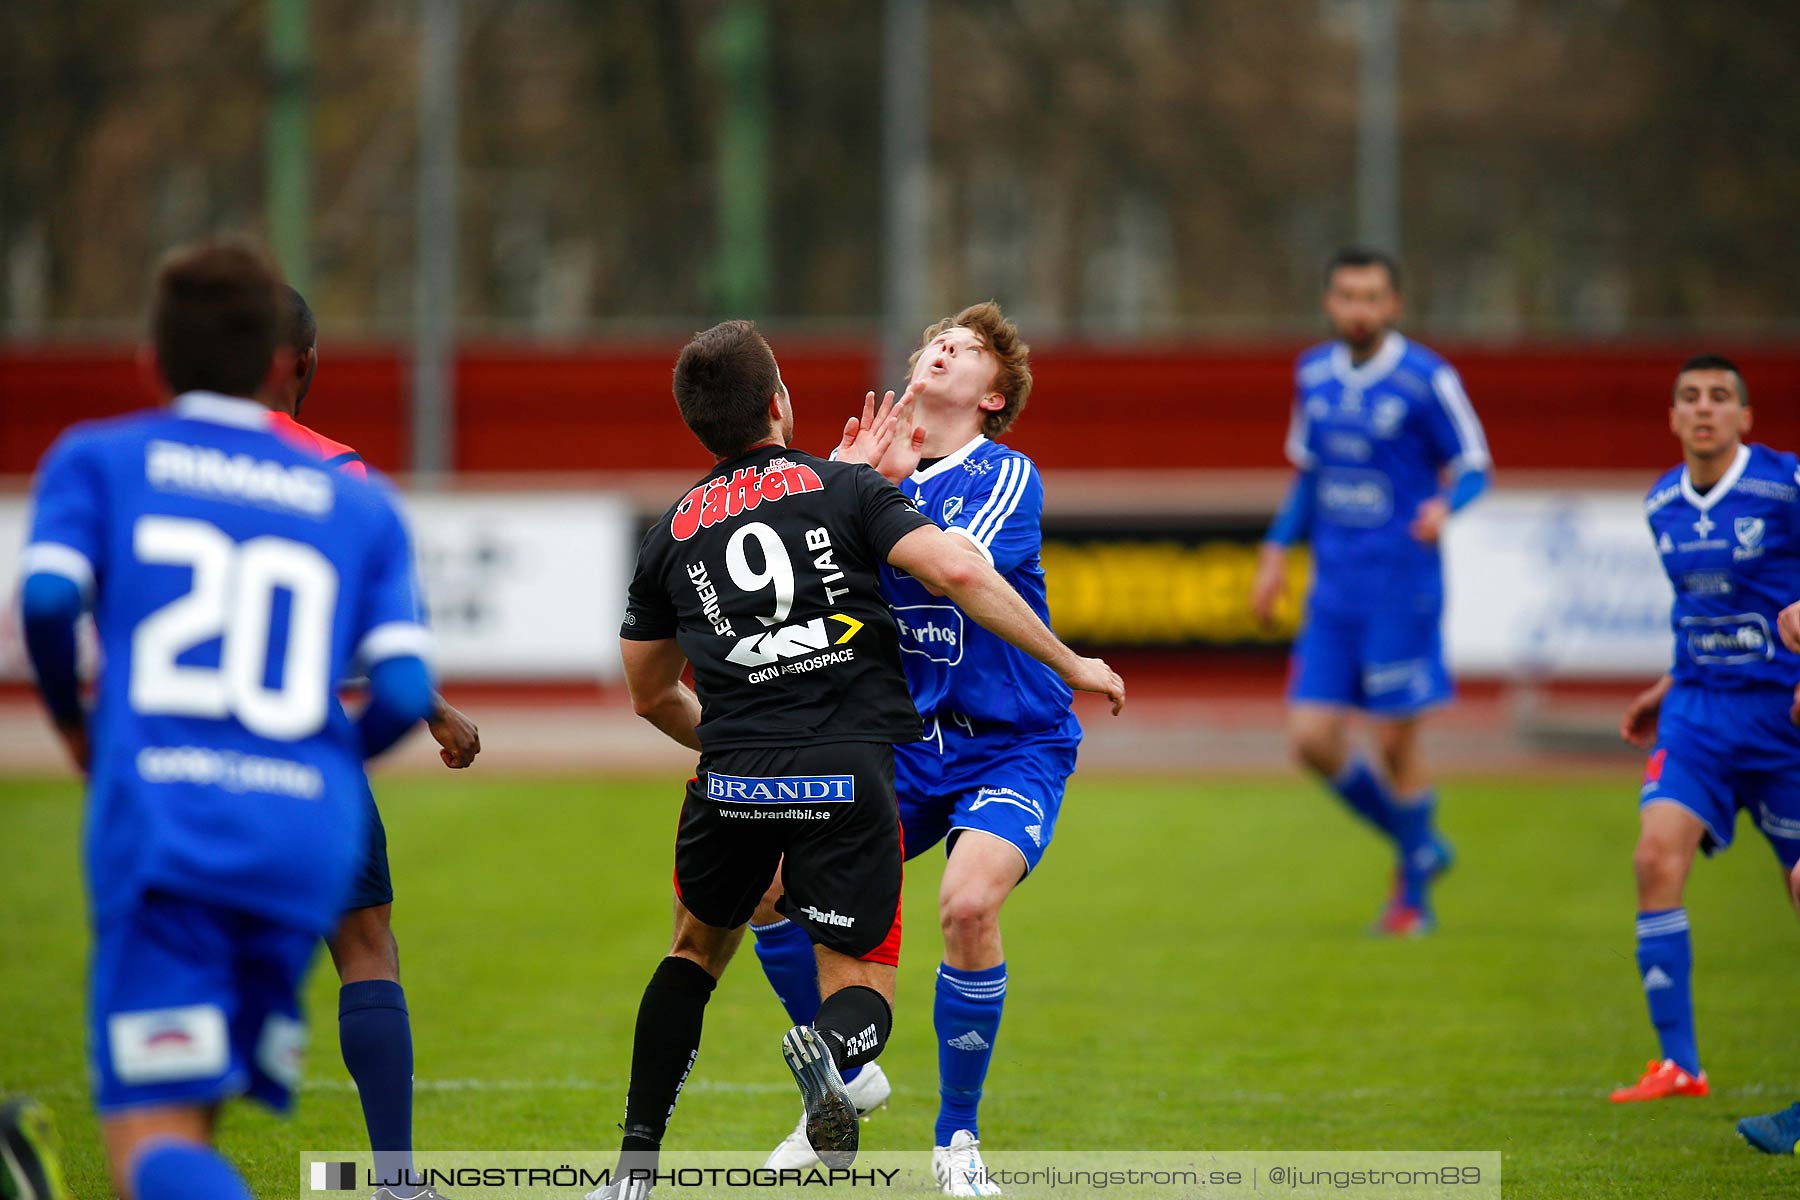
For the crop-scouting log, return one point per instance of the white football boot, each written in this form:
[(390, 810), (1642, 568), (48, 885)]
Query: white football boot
[(959, 1169), (868, 1091)]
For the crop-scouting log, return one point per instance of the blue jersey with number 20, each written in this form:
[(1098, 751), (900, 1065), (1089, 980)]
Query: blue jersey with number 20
[(234, 580)]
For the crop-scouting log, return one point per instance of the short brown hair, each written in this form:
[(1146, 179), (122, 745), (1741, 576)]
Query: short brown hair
[(217, 316), (1012, 359), (724, 379)]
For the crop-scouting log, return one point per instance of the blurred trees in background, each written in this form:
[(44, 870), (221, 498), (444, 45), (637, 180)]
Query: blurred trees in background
[(1104, 167)]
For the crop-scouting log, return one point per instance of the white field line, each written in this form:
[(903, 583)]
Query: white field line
[(1789, 1091)]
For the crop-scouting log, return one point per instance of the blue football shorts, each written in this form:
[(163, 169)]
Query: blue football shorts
[(993, 779), (1389, 663), (191, 1003), (373, 884), (1720, 750)]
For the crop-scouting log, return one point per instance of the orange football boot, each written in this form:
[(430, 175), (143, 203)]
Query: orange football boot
[(1662, 1080)]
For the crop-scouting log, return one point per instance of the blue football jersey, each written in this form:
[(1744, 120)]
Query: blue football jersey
[(234, 580), (1733, 556), (991, 495), (1379, 436)]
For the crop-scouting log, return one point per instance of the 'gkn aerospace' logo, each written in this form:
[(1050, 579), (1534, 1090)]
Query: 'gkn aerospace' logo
[(720, 499), (791, 641)]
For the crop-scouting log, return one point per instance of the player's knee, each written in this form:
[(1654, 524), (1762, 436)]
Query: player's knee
[(968, 914), (1314, 749), (1794, 884), (1658, 864)]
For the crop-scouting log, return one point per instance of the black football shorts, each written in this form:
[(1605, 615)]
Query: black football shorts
[(829, 810)]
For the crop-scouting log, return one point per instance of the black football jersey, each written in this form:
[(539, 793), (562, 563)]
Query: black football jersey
[(767, 574)]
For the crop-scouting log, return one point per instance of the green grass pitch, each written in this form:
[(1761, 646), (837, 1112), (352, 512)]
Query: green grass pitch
[(1188, 971)]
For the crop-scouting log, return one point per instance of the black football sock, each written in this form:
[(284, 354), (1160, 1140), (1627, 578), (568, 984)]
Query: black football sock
[(663, 1048), (855, 1023)]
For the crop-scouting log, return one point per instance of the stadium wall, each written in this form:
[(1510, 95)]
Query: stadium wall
[(1162, 466), (1095, 407)]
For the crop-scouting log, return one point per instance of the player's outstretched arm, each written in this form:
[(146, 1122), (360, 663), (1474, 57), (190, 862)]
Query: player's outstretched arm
[(935, 558), (458, 739), (1638, 726), (653, 676)]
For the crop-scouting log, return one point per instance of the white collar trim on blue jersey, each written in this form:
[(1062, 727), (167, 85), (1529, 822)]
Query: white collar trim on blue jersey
[(1383, 361), (1717, 493), (952, 459), (222, 410)]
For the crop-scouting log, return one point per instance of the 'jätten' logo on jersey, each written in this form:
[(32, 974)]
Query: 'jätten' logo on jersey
[(719, 499)]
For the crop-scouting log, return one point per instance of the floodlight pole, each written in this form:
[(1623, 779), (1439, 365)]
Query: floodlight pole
[(287, 148), (905, 182), (742, 45), (1378, 127), (434, 249)]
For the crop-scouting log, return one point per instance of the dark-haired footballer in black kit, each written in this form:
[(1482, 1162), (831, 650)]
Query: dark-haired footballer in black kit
[(764, 577)]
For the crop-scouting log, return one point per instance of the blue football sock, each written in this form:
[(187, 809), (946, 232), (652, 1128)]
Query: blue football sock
[(786, 955), (185, 1171), (375, 1036), (967, 1019), (1358, 786), (1665, 964), (1416, 833)]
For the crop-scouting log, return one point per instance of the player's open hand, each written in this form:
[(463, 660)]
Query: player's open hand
[(1788, 625), (1428, 523), (868, 438), (1093, 675), (856, 444), (908, 446), (459, 741), (1271, 582)]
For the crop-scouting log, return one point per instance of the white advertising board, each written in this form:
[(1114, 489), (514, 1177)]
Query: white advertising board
[(521, 586), (1558, 584)]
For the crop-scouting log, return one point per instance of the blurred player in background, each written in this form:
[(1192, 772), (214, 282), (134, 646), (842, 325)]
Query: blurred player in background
[(374, 1027), (1001, 740), (1385, 448), (764, 577), (1726, 524), (233, 582)]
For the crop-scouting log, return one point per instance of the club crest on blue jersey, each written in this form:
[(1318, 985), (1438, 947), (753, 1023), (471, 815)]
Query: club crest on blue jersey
[(1749, 532)]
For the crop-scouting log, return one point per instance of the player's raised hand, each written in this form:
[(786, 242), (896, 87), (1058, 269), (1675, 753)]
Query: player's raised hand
[(908, 446), (1788, 625), (1270, 584), (1093, 675), (867, 437), (1428, 523), (853, 447), (459, 741)]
